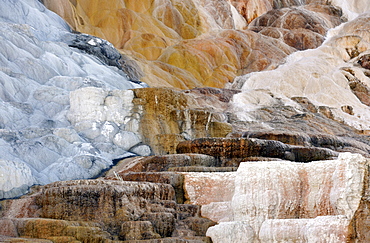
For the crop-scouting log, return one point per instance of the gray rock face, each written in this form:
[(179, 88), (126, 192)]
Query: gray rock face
[(94, 45), (105, 52), (38, 70)]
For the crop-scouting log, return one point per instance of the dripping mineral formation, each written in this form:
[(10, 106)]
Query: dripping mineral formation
[(184, 121)]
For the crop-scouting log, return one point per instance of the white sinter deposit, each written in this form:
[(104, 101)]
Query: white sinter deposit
[(322, 75), (281, 201), (39, 143), (352, 8)]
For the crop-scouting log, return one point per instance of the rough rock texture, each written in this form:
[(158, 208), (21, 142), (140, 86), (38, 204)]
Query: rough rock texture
[(103, 211), (169, 116), (298, 27), (243, 148), (159, 117), (157, 26), (38, 71), (161, 163), (205, 188), (108, 118), (333, 70), (106, 52), (72, 106), (252, 9), (176, 42), (351, 8), (71, 121), (284, 201), (209, 112), (336, 143)]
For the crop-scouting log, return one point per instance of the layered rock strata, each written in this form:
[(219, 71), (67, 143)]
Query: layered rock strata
[(284, 201), (208, 113), (71, 122), (103, 211), (76, 117), (91, 210), (242, 148)]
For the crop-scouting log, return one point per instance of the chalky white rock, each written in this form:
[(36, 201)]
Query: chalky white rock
[(42, 138)]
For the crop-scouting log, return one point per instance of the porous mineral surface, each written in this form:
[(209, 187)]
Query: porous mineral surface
[(255, 127), (39, 70), (288, 202), (197, 43)]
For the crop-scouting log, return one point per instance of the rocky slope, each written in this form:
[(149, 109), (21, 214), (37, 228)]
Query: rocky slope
[(201, 43), (39, 69), (281, 201), (236, 113)]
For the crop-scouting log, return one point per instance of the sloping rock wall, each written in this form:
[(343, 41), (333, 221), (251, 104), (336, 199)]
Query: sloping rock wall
[(38, 70), (198, 43), (284, 201), (333, 69), (104, 211), (72, 105)]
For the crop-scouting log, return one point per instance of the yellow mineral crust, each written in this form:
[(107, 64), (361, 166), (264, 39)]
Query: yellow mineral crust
[(182, 44)]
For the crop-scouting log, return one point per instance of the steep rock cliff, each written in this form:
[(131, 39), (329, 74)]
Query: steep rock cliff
[(318, 201)]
